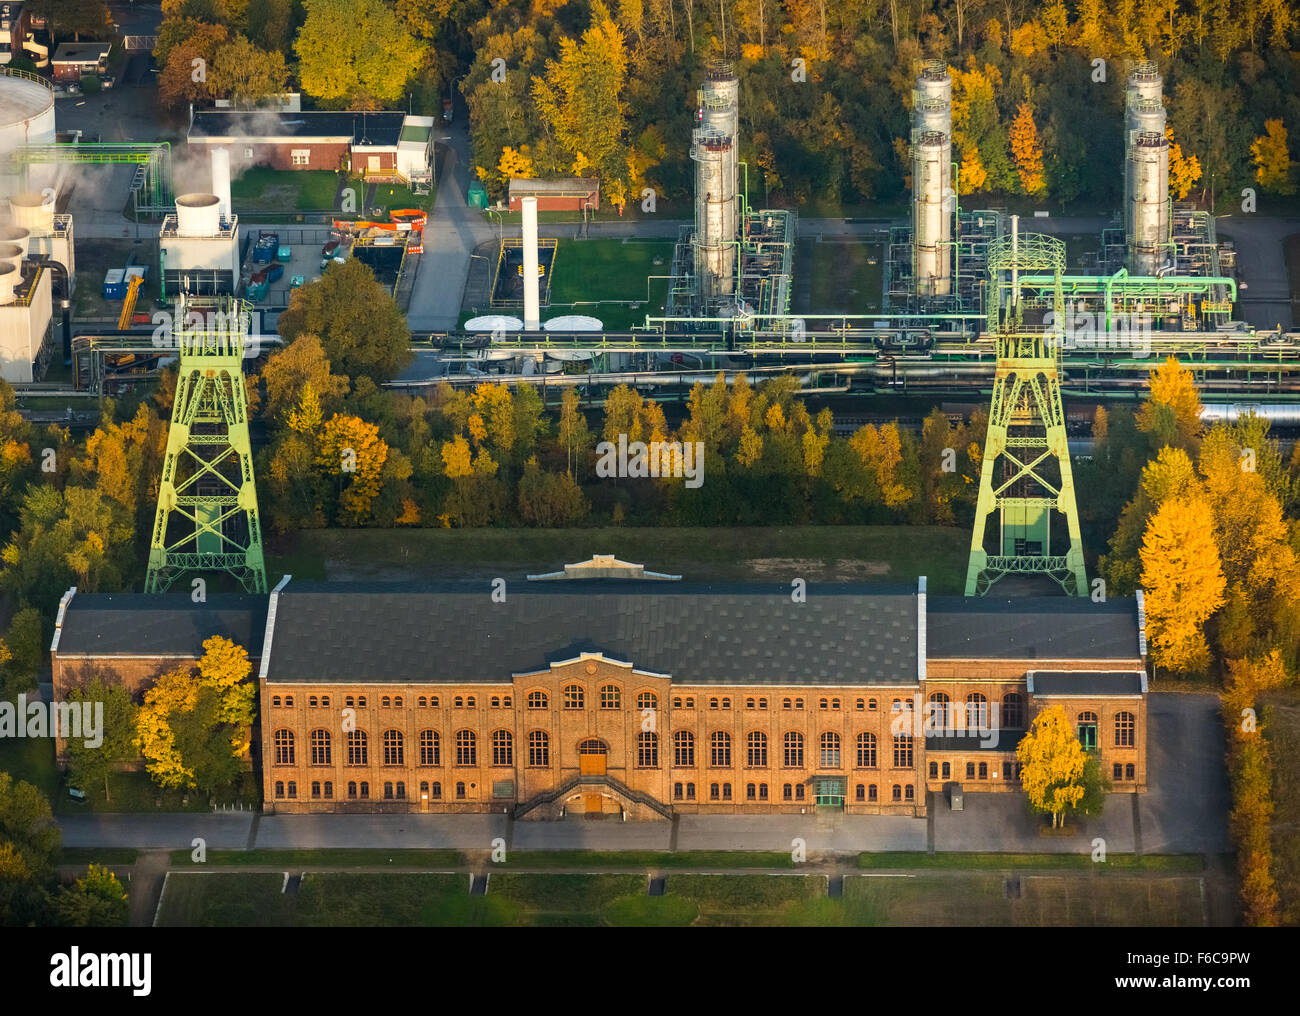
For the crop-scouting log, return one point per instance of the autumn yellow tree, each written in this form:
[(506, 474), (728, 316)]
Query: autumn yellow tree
[(1172, 412), (1027, 150), (1052, 764), (1183, 579), (1184, 170), (351, 450), (1273, 159)]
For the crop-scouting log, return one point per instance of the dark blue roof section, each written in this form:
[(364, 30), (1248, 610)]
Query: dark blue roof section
[(1031, 627), (168, 624), (380, 128), (723, 634)]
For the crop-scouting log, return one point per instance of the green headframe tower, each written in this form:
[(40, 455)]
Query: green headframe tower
[(207, 518), (1026, 480)]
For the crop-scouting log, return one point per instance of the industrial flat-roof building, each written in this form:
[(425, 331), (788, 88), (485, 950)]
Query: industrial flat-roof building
[(649, 697), (382, 146)]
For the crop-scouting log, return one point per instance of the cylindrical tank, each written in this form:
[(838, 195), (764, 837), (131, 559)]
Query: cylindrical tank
[(26, 113), (11, 254), (198, 215), (1149, 202), (532, 315), (221, 180), (17, 236), (33, 211), (932, 221), (9, 278)]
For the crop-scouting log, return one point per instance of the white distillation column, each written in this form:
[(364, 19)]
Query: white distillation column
[(933, 198), (532, 297), (1144, 113), (714, 144)]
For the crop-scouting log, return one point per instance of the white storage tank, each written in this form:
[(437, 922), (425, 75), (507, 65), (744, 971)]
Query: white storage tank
[(198, 215), (16, 235), (33, 211)]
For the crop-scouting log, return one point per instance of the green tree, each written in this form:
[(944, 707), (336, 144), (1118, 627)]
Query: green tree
[(88, 766), (355, 51), (361, 328), (96, 900)]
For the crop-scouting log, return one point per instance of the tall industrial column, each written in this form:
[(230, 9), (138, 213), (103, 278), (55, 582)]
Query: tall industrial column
[(1025, 476), (207, 518)]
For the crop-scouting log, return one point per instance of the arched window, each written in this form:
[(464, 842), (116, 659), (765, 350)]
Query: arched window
[(320, 747), (683, 748), (573, 696), (1125, 730), (830, 753), (756, 753), (794, 750), (503, 748), (466, 748), (430, 748), (284, 747), (867, 751), (977, 711), (720, 748), (1013, 711), (903, 752), (1087, 728), (357, 748), (647, 750), (611, 696), (539, 749), (394, 754), (537, 700), (940, 710), (647, 700)]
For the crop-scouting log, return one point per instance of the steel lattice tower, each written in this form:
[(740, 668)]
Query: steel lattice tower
[(1026, 473), (207, 518)]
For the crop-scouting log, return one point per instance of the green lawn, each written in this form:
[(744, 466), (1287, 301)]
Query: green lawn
[(816, 553), (649, 859), (845, 278), (261, 189), (1045, 901), (1281, 726), (1114, 862), (335, 857), (600, 277)]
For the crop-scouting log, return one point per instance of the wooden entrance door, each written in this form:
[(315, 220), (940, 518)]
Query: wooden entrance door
[(591, 757)]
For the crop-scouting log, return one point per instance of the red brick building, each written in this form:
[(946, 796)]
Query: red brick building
[(363, 143)]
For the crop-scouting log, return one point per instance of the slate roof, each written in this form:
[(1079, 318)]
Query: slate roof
[(167, 624), (1084, 682), (379, 129), (453, 632), (1034, 627)]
